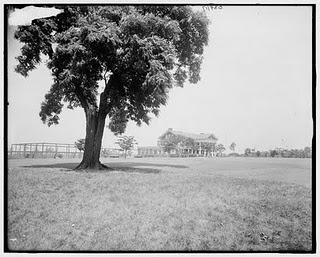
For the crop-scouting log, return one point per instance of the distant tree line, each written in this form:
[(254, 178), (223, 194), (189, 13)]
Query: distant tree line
[(179, 143), (279, 152)]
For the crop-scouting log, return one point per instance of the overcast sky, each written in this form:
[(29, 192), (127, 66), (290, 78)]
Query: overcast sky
[(256, 87)]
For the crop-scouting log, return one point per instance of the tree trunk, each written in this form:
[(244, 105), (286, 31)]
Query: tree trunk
[(95, 122)]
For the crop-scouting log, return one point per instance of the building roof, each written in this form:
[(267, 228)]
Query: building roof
[(201, 136)]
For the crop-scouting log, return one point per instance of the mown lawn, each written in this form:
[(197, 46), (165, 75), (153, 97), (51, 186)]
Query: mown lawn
[(155, 208)]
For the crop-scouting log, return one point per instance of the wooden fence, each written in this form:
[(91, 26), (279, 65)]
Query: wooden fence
[(52, 150)]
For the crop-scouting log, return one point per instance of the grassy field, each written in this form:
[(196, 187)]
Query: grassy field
[(197, 204)]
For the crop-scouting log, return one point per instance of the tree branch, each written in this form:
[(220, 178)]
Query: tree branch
[(84, 102)]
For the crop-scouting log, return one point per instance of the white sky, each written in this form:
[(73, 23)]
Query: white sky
[(256, 87), (25, 15)]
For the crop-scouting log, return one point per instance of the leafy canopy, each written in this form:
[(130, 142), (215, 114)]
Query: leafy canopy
[(126, 142), (137, 52), (247, 151)]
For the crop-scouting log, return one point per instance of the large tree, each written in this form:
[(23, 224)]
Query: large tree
[(137, 52)]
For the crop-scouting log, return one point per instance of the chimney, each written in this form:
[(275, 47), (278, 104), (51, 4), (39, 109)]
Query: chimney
[(170, 129)]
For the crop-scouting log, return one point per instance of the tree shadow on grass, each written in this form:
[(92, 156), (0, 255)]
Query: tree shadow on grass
[(136, 170), (120, 166), (134, 164)]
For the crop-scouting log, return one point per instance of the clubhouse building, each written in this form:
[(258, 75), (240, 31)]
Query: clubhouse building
[(199, 139)]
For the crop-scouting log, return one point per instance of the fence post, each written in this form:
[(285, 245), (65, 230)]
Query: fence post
[(35, 152)]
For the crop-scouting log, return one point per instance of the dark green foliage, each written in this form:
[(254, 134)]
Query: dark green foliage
[(306, 152), (144, 50), (273, 153), (118, 120), (137, 52), (247, 151), (280, 152)]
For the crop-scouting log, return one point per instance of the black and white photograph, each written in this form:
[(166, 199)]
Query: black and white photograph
[(159, 128)]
